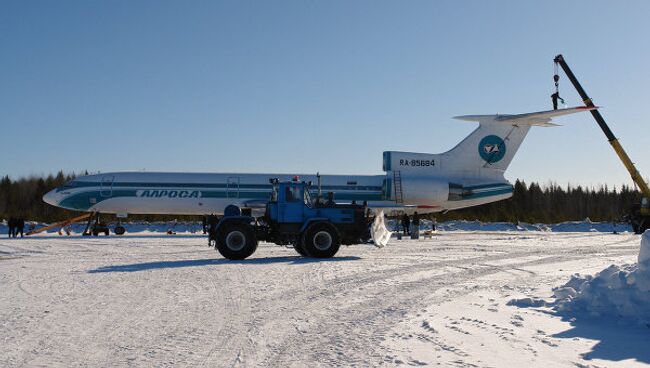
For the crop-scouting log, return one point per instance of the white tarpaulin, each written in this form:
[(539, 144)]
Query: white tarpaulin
[(378, 231)]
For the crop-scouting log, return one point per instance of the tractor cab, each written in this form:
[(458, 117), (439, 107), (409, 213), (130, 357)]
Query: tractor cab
[(290, 192), (289, 200)]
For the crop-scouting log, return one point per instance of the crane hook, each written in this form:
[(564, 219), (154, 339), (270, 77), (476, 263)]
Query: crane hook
[(556, 96)]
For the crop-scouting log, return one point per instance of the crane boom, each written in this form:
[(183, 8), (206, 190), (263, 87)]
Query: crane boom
[(613, 141)]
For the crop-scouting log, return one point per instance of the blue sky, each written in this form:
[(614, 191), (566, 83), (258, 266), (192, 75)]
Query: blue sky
[(306, 86)]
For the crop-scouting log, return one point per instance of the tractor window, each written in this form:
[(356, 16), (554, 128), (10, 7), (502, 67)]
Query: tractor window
[(307, 198), (295, 193), (292, 193), (288, 194), (274, 193)]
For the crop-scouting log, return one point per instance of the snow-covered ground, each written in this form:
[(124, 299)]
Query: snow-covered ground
[(169, 300), (457, 225)]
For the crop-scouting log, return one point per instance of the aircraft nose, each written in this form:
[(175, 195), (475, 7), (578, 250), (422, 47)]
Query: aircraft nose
[(51, 198)]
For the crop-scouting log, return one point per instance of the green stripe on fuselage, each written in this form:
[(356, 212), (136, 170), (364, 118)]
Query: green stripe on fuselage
[(487, 194), (82, 201)]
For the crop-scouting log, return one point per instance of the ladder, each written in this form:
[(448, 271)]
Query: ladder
[(397, 181)]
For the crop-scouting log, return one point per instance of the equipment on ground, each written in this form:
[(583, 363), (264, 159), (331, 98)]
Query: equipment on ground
[(314, 227), (98, 227), (639, 217), (92, 228), (60, 224)]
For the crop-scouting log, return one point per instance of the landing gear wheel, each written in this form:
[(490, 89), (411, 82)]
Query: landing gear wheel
[(100, 228), (321, 241), (119, 230), (236, 241)]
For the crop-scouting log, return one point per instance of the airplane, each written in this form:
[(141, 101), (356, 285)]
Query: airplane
[(470, 174)]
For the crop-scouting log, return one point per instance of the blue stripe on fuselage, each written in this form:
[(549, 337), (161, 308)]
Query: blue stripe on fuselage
[(82, 201)]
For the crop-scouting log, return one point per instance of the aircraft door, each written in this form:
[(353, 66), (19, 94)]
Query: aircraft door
[(232, 187), (106, 189)]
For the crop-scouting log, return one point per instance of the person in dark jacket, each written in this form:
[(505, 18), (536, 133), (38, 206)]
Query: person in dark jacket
[(11, 224), (416, 222), (406, 224), (20, 227), (416, 219)]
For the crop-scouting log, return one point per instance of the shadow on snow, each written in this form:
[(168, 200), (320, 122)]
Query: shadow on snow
[(616, 340), (215, 262)]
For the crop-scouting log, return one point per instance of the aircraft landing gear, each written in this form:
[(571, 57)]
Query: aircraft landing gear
[(95, 228)]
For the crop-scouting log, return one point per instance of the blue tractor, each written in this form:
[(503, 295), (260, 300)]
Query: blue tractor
[(315, 228)]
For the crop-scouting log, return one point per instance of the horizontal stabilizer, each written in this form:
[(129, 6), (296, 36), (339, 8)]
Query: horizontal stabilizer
[(541, 118)]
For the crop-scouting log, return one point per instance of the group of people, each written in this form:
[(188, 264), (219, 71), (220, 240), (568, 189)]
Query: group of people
[(407, 223), (16, 226)]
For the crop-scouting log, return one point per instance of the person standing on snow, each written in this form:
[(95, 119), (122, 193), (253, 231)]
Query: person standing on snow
[(416, 223), (406, 224), (20, 227), (11, 224)]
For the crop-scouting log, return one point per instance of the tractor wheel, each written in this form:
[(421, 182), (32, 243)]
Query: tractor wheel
[(300, 248), (321, 240), (236, 241)]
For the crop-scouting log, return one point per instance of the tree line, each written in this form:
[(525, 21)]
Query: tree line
[(548, 203), (552, 203)]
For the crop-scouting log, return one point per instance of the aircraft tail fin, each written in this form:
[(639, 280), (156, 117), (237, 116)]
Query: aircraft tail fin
[(489, 149)]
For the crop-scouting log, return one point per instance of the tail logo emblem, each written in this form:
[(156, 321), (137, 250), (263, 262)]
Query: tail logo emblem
[(492, 149)]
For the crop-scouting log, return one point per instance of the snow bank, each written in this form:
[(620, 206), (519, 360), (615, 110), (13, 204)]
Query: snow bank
[(644, 252), (617, 291)]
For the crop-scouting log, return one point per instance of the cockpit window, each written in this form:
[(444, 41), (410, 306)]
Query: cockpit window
[(70, 184)]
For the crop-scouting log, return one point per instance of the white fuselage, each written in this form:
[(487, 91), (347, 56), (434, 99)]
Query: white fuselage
[(125, 193)]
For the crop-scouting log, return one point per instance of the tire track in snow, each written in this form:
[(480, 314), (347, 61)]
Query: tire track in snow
[(414, 291)]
